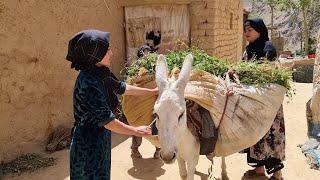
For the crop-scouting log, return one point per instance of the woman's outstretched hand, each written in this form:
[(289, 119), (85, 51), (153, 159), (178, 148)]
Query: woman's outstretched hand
[(142, 131), (155, 91), (139, 91)]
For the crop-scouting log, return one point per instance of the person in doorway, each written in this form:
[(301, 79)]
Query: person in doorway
[(94, 99), (269, 153), (136, 141), (153, 40), (143, 51)]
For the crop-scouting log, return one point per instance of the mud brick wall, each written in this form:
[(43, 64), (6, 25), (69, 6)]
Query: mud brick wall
[(36, 82), (216, 26)]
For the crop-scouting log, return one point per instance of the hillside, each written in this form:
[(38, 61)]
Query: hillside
[(288, 27)]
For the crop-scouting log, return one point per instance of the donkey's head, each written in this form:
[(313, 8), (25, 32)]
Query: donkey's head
[(170, 108)]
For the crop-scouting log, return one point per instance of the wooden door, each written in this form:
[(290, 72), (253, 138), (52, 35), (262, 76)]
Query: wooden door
[(160, 26)]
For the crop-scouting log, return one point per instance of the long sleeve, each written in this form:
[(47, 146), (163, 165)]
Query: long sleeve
[(97, 104)]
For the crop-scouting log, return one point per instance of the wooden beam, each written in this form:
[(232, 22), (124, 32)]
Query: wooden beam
[(151, 2)]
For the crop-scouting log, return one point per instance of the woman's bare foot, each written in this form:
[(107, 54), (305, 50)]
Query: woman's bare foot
[(277, 175), (257, 172)]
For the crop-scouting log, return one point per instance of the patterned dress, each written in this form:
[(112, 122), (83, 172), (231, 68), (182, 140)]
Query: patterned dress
[(90, 151), (270, 150)]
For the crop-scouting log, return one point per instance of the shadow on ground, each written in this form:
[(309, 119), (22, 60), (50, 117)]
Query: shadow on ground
[(146, 169)]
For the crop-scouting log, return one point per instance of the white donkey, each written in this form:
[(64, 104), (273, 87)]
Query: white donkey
[(175, 138)]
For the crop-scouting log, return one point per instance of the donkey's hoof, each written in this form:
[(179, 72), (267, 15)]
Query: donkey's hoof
[(183, 177), (224, 177), (156, 154)]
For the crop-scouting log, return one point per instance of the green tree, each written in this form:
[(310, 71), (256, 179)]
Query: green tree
[(309, 10), (303, 13), (273, 4)]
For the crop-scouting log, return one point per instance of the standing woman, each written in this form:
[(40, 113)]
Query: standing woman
[(269, 153), (143, 51), (95, 97)]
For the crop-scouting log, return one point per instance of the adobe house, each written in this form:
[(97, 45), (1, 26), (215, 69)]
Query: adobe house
[(36, 80), (213, 25)]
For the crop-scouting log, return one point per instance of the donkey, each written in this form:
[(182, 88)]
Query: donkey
[(175, 138)]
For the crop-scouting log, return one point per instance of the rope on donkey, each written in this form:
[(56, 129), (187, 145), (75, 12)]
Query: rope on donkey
[(229, 92)]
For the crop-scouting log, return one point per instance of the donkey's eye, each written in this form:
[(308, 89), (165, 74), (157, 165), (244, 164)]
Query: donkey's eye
[(155, 116), (181, 115)]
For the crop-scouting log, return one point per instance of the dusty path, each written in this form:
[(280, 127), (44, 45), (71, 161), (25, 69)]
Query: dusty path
[(123, 167)]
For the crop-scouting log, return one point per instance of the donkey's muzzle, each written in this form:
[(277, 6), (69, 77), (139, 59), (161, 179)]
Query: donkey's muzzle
[(168, 158)]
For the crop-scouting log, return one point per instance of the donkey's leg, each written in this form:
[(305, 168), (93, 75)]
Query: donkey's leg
[(192, 168), (192, 159), (182, 168), (188, 156), (189, 149), (224, 174)]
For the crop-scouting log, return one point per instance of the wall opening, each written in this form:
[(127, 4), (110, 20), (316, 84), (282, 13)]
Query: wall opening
[(231, 21)]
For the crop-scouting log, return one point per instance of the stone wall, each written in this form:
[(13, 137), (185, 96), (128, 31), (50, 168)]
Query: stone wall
[(316, 70), (216, 26), (36, 81), (315, 101), (313, 105)]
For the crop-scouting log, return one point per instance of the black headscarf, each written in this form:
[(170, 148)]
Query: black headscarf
[(89, 47), (261, 47)]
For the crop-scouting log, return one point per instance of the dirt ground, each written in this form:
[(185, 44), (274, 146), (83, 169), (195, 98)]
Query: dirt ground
[(125, 168)]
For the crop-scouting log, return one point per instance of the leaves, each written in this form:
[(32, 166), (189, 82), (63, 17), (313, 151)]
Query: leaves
[(27, 162), (250, 73)]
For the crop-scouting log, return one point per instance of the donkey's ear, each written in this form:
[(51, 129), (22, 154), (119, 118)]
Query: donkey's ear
[(185, 72), (161, 72)]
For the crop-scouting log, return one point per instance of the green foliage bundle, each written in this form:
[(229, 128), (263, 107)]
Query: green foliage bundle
[(250, 73)]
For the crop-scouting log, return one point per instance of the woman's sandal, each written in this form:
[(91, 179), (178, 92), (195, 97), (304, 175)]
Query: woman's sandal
[(252, 174), (274, 178)]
